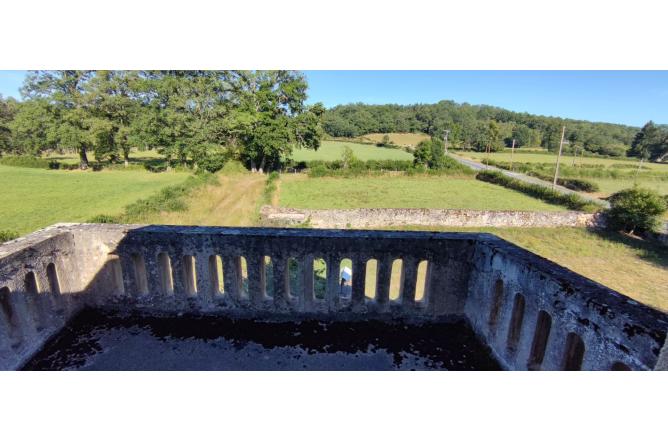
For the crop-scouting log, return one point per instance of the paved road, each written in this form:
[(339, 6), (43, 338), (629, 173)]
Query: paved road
[(477, 166)]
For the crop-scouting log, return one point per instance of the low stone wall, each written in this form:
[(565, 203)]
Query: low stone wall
[(382, 217)]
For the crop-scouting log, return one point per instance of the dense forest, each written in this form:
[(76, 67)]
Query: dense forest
[(192, 118), (483, 126)]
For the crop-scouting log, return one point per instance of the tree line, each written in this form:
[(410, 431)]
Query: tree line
[(193, 118), (482, 126)]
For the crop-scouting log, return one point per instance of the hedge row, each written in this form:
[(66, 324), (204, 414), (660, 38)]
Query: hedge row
[(571, 201), (373, 165), (576, 184), (30, 162), (318, 168)]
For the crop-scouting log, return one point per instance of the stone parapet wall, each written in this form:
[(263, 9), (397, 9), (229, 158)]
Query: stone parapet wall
[(387, 217), (532, 313)]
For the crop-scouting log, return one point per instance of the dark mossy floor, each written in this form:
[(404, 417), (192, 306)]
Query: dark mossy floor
[(97, 340)]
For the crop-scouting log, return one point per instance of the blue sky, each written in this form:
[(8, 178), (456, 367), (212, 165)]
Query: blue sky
[(627, 97)]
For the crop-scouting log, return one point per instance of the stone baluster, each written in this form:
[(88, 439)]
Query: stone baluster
[(359, 280), (178, 273), (333, 294), (256, 279), (383, 279), (281, 278), (128, 274), (154, 274), (203, 277), (409, 281), (232, 276), (307, 297)]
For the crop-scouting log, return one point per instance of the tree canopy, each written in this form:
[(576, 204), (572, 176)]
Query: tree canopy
[(469, 126), (650, 143), (190, 117)]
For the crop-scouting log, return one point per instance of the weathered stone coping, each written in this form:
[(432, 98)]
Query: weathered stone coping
[(384, 217)]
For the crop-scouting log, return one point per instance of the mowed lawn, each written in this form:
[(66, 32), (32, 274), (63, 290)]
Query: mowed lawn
[(300, 191), (332, 150), (34, 198)]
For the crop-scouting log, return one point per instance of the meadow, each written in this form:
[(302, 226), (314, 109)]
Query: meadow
[(410, 140), (634, 267), (520, 156), (333, 150), (652, 175), (33, 198), (400, 191)]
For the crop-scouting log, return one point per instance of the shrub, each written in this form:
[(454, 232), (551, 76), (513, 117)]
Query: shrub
[(635, 210), (30, 162), (212, 162), (172, 198), (103, 218), (571, 201), (6, 235), (156, 167)]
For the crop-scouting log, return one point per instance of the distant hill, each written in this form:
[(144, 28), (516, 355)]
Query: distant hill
[(468, 125)]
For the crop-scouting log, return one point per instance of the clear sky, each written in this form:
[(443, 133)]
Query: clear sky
[(627, 97)]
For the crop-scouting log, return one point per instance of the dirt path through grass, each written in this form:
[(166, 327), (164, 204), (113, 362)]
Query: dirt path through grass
[(232, 203)]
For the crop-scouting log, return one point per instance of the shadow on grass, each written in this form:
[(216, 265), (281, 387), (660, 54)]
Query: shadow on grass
[(650, 251)]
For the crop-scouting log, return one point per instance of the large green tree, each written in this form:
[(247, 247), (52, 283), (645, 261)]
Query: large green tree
[(65, 91), (650, 143), (7, 113), (269, 117), (34, 127)]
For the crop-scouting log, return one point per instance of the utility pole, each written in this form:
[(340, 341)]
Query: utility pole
[(512, 154), (561, 146), (446, 141)]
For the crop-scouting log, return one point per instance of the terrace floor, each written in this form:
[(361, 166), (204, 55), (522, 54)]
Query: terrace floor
[(97, 340)]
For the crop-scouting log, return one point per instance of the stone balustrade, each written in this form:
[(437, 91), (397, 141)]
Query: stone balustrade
[(532, 313)]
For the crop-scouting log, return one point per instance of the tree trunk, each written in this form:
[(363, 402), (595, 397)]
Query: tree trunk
[(262, 165), (253, 167), (83, 159), (126, 157)]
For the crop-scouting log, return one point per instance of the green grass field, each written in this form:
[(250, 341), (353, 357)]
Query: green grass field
[(403, 192), (402, 139), (33, 198), (608, 185), (332, 150), (551, 158), (634, 267)]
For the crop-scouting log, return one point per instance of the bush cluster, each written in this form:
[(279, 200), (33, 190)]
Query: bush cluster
[(30, 162), (318, 168), (635, 210), (6, 235), (571, 201), (172, 198)]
